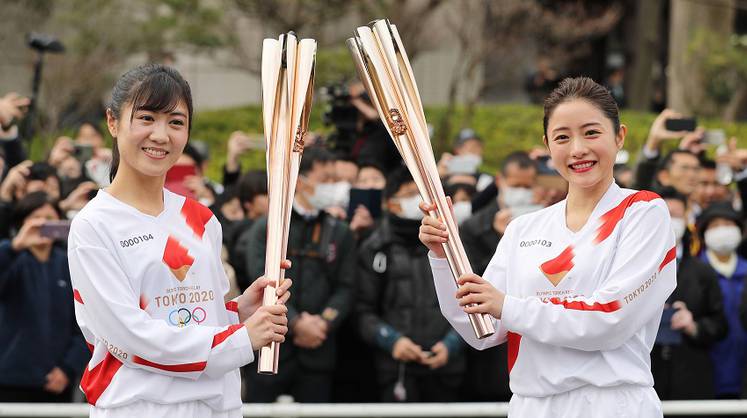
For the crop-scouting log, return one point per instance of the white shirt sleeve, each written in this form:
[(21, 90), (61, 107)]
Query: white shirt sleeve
[(446, 289), (215, 231), (112, 312), (641, 277)]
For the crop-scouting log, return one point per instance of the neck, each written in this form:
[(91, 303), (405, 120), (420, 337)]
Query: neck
[(41, 252), (144, 193), (722, 257), (586, 199)]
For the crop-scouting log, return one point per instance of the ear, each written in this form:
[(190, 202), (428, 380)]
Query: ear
[(663, 177), (498, 179), (620, 138), (111, 123), (544, 141)]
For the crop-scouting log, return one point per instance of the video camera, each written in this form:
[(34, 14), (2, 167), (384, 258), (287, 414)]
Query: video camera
[(341, 114)]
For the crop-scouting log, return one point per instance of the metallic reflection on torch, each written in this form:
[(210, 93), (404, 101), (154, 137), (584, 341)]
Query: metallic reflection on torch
[(385, 71), (287, 91)]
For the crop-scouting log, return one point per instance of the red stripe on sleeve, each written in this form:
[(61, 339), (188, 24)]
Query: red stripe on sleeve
[(223, 335), (670, 255), (181, 368), (77, 297), (90, 346), (232, 306), (578, 305), (615, 215), (95, 381), (514, 341)]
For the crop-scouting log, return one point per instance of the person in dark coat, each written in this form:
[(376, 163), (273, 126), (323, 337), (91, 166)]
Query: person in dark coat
[(42, 351), (322, 251), (419, 356), (694, 320)]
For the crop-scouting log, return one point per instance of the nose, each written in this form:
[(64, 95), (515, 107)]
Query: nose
[(159, 133), (578, 148)]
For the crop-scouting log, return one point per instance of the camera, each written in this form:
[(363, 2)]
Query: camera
[(342, 115), (44, 43)]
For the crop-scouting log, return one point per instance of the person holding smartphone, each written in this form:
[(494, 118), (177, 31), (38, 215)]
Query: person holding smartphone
[(576, 289), (147, 275), (41, 348)]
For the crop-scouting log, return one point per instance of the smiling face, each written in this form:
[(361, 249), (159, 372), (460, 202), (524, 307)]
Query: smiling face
[(583, 143), (152, 141)]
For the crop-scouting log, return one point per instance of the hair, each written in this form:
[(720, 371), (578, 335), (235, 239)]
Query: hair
[(93, 125), (453, 189), (250, 185), (582, 88), (707, 164), (670, 193), (519, 158), (29, 203), (41, 171), (194, 154), (399, 177), (152, 87), (314, 154), (666, 163)]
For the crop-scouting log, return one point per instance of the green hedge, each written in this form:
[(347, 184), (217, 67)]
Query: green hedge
[(505, 128)]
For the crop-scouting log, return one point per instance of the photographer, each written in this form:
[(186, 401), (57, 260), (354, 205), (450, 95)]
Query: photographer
[(358, 130), (21, 180), (42, 351), (13, 108)]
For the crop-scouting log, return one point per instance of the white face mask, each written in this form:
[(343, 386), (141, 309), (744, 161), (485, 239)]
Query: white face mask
[(516, 196), (679, 226), (464, 164), (462, 211), (323, 196), (410, 208), (723, 240)]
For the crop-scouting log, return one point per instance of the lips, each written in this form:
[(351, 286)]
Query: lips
[(582, 166), (156, 153)]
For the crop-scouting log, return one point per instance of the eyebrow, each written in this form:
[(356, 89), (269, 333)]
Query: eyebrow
[(177, 114), (560, 128)]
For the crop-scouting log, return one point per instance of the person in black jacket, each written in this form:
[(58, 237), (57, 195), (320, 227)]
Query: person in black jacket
[(41, 348), (693, 320), (419, 354), (322, 251)]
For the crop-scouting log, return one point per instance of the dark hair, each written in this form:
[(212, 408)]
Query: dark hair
[(29, 203), (41, 171), (370, 164), (395, 180), (520, 158), (152, 87), (707, 164), (314, 154), (93, 126), (252, 184), (666, 162), (670, 193), (586, 89), (195, 154), (453, 189)]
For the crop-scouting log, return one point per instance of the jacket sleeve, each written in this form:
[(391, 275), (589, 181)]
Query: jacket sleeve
[(255, 262), (111, 310), (343, 279), (641, 277), (446, 289), (373, 329), (8, 273), (479, 254), (711, 324)]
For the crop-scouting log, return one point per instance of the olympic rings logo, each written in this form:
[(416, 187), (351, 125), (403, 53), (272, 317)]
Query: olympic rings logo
[(183, 316)]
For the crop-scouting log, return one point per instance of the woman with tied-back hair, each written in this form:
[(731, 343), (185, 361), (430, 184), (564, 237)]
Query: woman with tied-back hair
[(147, 276), (576, 289)]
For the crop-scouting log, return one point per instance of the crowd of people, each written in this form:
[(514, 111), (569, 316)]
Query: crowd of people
[(364, 319)]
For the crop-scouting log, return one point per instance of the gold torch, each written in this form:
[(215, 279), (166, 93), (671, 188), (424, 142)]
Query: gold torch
[(287, 90), (385, 71)]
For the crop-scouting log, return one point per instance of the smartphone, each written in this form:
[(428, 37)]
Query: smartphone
[(714, 137), (666, 335), (681, 124), (175, 179), (56, 230), (83, 152), (429, 354), (370, 198)]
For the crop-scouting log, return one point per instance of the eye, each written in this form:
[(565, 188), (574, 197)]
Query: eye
[(592, 132), (561, 138), (178, 122), (146, 117)]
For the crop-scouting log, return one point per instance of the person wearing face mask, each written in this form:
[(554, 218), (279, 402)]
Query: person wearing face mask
[(693, 319), (465, 159), (461, 198), (480, 235), (418, 355), (322, 251), (720, 229)]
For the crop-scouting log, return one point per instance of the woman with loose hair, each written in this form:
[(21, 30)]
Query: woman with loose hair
[(576, 289), (147, 275)]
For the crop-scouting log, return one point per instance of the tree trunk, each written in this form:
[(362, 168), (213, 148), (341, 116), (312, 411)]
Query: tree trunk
[(686, 85), (648, 17)]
